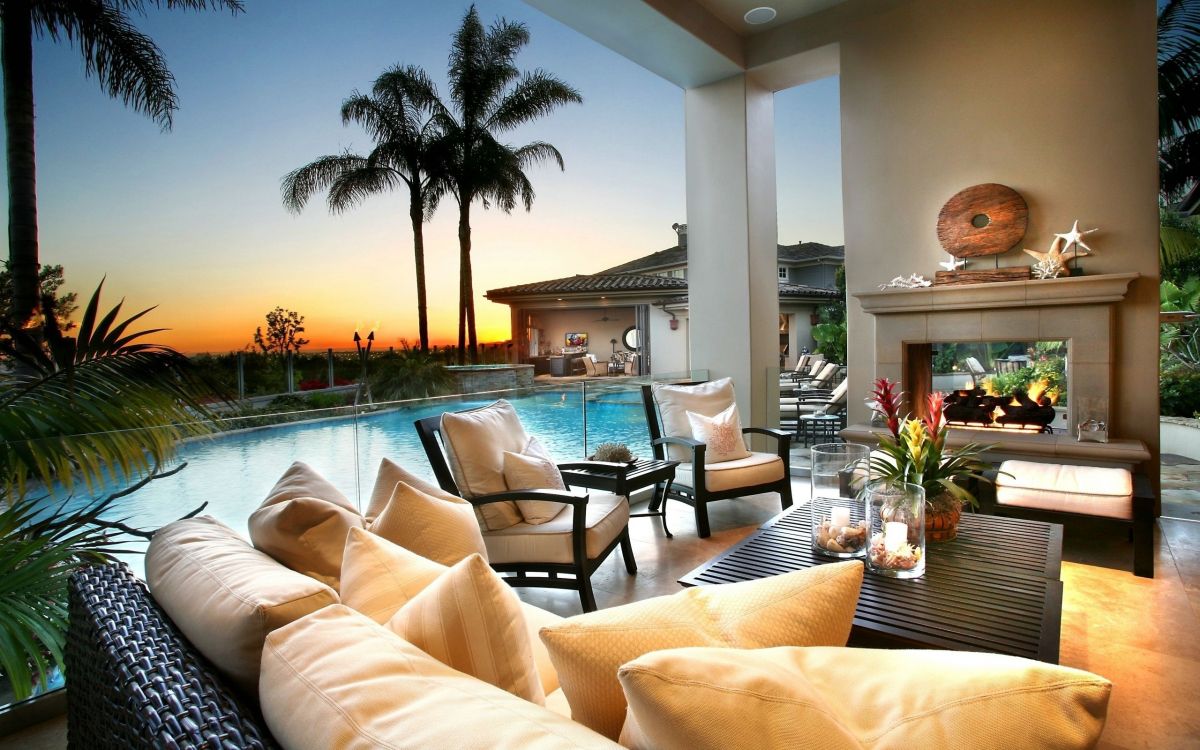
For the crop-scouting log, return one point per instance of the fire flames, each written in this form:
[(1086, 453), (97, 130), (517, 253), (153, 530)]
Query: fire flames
[(1040, 388)]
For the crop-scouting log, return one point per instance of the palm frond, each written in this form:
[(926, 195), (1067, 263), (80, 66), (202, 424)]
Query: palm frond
[(300, 184), (355, 186), (536, 95)]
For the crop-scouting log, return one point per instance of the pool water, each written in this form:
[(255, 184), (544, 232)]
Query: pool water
[(234, 472)]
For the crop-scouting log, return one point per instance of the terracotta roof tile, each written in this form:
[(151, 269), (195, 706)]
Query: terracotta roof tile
[(594, 283)]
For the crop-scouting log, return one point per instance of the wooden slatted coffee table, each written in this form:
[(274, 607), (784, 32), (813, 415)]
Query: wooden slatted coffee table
[(996, 588)]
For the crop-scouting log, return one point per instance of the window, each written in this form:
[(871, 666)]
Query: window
[(783, 273)]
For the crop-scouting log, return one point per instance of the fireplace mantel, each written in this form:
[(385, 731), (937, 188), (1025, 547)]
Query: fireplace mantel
[(1073, 290)]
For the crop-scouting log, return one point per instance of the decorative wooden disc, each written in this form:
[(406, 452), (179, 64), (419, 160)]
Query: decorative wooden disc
[(1003, 215)]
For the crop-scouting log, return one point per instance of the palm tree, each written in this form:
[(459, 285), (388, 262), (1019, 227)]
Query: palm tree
[(127, 64), (1178, 96), (98, 408), (407, 151), (491, 97)]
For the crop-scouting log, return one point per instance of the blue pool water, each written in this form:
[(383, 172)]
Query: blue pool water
[(234, 472)]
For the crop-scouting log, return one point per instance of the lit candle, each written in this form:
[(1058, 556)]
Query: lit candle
[(895, 535), (839, 517)]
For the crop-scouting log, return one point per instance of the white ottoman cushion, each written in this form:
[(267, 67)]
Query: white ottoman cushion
[(1089, 490)]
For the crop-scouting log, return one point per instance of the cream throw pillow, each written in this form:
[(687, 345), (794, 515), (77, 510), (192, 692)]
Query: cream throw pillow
[(851, 699), (475, 443), (471, 620), (812, 607), (224, 595), (437, 529), (534, 469), (675, 401), (386, 479), (337, 680), (722, 435), (378, 578), (303, 524)]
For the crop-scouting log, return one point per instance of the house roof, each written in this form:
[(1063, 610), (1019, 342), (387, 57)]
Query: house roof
[(593, 284), (786, 291), (677, 256)]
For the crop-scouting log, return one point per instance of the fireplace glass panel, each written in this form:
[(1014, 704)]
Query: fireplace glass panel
[(1012, 384)]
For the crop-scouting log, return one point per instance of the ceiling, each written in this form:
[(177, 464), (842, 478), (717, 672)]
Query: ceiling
[(732, 12)]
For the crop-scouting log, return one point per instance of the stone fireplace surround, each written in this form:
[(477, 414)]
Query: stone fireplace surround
[(1080, 310)]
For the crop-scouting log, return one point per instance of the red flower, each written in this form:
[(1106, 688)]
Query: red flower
[(934, 420), (887, 403)]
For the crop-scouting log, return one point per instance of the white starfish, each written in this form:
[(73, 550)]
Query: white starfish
[(1075, 237), (953, 264)]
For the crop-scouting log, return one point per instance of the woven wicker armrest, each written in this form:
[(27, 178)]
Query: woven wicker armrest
[(134, 681)]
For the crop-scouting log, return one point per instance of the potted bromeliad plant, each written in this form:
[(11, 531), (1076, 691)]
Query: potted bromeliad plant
[(915, 452)]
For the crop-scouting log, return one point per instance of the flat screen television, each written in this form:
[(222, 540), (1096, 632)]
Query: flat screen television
[(576, 339)]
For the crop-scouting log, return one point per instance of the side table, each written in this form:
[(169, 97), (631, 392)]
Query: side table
[(625, 479)]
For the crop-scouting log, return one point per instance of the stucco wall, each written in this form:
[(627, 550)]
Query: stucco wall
[(1055, 99), (668, 349)]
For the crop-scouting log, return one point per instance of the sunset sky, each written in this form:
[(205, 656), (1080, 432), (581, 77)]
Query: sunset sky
[(191, 220)]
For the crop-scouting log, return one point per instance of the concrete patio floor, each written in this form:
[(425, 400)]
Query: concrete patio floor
[(1139, 633)]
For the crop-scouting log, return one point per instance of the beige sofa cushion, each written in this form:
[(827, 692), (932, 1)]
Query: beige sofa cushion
[(337, 680), (389, 475), (303, 524), (534, 469), (1070, 489), (607, 517), (675, 401), (812, 607), (224, 595), (379, 577), (721, 434), (755, 469), (475, 443), (851, 699), (471, 620), (442, 530)]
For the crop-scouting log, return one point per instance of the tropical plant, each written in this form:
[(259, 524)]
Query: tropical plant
[(1178, 97), (408, 151), (491, 97), (1179, 343), (915, 451), (283, 332), (830, 333), (127, 64), (50, 281), (408, 373), (100, 408)]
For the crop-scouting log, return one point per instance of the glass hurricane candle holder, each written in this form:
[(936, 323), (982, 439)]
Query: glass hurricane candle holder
[(840, 469), (839, 527), (896, 527)]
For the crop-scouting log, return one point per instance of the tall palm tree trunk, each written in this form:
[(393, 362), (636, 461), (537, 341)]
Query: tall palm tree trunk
[(416, 212), (16, 49), (464, 278)]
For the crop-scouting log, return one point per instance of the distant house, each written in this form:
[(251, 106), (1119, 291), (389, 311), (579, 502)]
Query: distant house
[(642, 306)]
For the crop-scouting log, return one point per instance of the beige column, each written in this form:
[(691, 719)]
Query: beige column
[(733, 294)]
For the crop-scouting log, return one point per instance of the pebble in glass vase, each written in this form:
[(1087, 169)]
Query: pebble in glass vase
[(839, 471), (896, 526)]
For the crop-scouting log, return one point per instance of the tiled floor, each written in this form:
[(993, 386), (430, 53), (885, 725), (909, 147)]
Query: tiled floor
[(1139, 633)]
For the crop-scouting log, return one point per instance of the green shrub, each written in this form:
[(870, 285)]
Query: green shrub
[(1179, 392)]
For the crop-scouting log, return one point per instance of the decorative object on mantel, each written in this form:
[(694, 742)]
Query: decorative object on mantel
[(1047, 269), (981, 220), (1075, 246), (1053, 262), (952, 263), (915, 453), (1093, 431), (914, 281), (1010, 273)]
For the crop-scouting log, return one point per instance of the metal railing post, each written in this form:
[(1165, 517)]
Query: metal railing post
[(241, 376), (329, 359), (287, 371)]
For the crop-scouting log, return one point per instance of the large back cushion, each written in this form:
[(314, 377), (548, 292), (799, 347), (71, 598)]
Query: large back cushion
[(224, 595), (675, 401), (475, 443), (338, 680)]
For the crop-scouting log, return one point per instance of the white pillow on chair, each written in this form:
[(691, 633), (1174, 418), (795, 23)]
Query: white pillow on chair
[(722, 435)]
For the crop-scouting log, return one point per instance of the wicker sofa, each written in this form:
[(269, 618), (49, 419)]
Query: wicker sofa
[(136, 682)]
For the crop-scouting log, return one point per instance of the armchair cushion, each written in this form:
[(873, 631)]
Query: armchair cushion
[(441, 530), (675, 401), (336, 679), (224, 595), (534, 469), (303, 524), (698, 698), (469, 619), (475, 443), (721, 435), (753, 470), (550, 542), (812, 607), (378, 578)]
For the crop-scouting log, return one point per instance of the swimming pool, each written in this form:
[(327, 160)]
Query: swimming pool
[(233, 472)]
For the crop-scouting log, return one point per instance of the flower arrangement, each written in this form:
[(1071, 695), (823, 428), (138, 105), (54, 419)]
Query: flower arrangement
[(915, 452)]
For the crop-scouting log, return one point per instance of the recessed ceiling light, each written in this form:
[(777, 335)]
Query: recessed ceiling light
[(559, 299), (757, 16)]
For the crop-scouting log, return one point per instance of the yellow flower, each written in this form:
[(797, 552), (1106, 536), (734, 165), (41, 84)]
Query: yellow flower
[(914, 439)]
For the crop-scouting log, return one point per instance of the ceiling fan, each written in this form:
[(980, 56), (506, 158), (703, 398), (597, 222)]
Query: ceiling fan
[(606, 319)]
